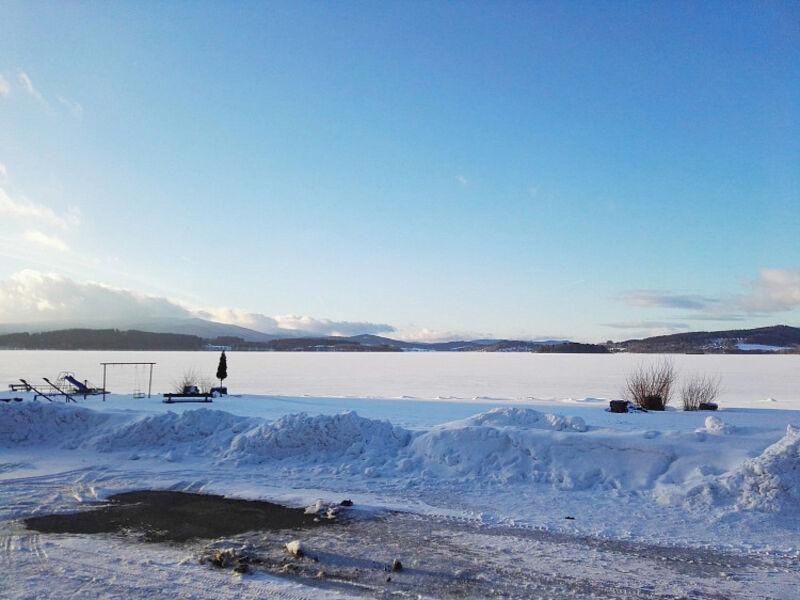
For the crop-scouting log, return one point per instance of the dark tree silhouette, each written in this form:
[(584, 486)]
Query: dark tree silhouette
[(222, 368)]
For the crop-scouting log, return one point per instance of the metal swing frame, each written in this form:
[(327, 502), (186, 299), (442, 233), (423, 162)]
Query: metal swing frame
[(105, 365)]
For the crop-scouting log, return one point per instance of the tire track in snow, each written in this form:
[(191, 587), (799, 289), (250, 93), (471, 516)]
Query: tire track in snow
[(71, 572)]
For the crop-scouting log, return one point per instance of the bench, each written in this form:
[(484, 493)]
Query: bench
[(195, 397)]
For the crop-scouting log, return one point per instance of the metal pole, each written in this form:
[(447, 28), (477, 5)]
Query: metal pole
[(150, 384), (104, 381)]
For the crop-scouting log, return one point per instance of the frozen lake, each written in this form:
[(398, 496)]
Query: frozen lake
[(746, 380)]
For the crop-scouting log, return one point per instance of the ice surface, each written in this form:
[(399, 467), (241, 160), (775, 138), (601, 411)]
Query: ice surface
[(451, 376)]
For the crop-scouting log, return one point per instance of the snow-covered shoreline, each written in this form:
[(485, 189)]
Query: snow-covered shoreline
[(729, 462), (726, 481)]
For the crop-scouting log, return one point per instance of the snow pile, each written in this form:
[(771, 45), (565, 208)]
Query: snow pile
[(769, 482), (203, 432), (321, 438), (716, 426), (323, 510), (522, 417), (705, 467), (522, 445), (29, 423)]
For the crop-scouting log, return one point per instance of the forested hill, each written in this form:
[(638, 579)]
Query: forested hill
[(100, 339), (732, 341)]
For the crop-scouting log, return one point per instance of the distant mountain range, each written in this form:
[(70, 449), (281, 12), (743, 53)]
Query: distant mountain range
[(196, 334), (185, 326), (115, 339)]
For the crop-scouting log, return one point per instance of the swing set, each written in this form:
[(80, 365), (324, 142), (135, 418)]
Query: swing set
[(139, 369)]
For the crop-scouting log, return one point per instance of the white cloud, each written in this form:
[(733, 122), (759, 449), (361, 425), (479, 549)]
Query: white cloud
[(74, 108), (242, 318), (433, 336), (3, 173), (327, 327), (29, 211), (663, 299), (775, 290), (27, 85), (667, 325), (33, 297), (25, 82), (289, 323), (49, 241), (427, 335), (642, 329)]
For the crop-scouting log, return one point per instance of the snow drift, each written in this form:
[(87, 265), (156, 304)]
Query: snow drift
[(319, 438), (502, 446), (768, 482), (30, 423), (203, 432), (523, 445)]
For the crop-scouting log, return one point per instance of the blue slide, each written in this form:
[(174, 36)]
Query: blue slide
[(78, 385)]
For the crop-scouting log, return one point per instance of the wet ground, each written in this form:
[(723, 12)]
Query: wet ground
[(166, 516), (450, 558), (368, 554)]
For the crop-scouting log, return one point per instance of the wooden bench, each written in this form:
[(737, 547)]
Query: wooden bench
[(199, 397)]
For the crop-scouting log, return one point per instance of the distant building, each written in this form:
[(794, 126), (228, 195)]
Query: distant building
[(217, 348)]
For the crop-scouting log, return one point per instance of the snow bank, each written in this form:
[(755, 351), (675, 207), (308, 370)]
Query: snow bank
[(769, 482), (523, 445), (29, 423), (703, 467), (203, 432), (521, 417), (320, 438)]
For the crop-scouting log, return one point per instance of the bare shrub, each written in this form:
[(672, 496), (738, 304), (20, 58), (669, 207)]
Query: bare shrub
[(205, 384), (650, 387), (700, 389), (189, 379)]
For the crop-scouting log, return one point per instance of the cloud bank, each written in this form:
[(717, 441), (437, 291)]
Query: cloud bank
[(19, 213), (31, 297), (661, 299), (773, 291), (291, 324), (48, 241), (25, 210)]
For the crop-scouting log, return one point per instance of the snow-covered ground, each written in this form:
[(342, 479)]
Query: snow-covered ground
[(553, 495)]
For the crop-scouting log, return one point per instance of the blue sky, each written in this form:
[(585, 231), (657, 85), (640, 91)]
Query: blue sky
[(424, 169)]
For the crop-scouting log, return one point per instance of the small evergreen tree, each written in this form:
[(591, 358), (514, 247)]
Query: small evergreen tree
[(222, 368)]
